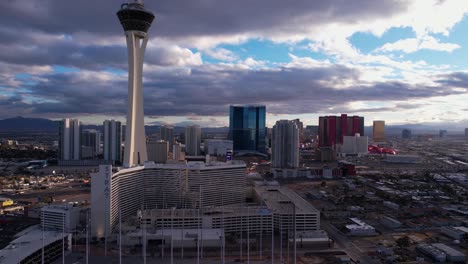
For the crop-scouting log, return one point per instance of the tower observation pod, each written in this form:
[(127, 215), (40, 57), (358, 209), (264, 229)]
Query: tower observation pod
[(136, 20)]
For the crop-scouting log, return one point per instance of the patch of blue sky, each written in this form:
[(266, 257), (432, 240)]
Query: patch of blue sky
[(375, 104), (37, 100), (23, 90), (115, 71), (25, 79), (22, 76), (394, 76), (68, 36), (367, 42), (269, 51), (456, 58), (6, 92), (64, 69)]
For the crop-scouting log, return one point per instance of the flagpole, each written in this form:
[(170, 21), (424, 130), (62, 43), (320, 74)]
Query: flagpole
[(287, 236), (172, 236), (198, 231), (261, 235), (248, 235), (272, 240), (241, 236), (144, 243), (63, 239), (182, 231), (120, 236), (162, 225), (223, 246), (87, 237), (201, 229), (295, 246), (43, 238), (281, 239), (105, 232)]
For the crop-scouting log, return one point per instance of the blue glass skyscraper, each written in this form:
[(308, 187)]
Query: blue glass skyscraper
[(247, 128)]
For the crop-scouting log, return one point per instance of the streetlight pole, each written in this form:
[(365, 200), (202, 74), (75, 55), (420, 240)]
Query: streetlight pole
[(120, 236), (43, 238), (63, 239), (172, 236), (87, 237), (295, 243), (272, 239)]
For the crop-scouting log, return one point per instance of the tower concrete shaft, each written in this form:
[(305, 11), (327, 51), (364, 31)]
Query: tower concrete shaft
[(136, 21), (135, 137)]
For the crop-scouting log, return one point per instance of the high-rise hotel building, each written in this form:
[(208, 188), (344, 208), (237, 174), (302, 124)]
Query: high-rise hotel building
[(192, 140), (70, 139), (112, 147), (166, 133), (247, 128), (285, 144), (332, 129), (90, 143)]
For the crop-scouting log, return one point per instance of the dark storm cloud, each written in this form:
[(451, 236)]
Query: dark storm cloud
[(456, 79), (183, 18), (397, 107), (207, 91), (46, 32), (68, 53), (85, 34), (14, 106), (295, 90)]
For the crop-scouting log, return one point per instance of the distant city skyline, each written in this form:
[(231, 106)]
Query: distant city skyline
[(398, 61)]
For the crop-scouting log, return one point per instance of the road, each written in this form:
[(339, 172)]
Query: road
[(346, 244), (55, 191)]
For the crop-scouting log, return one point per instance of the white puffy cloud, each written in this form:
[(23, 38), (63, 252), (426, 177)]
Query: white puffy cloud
[(411, 45), (221, 54)]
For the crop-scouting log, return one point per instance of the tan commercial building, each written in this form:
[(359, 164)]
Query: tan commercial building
[(379, 131), (158, 151)]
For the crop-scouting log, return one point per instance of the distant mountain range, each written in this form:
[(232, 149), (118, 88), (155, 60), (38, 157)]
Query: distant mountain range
[(41, 125), (23, 124)]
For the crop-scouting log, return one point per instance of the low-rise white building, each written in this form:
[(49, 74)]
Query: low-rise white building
[(354, 146), (28, 247), (285, 204), (218, 147), (390, 222), (180, 238), (360, 228), (433, 252), (57, 217), (391, 205), (452, 254), (456, 233)]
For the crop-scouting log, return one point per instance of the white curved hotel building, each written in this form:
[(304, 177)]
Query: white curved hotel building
[(117, 191), (279, 205)]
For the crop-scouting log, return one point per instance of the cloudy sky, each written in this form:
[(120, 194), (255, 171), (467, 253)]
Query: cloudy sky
[(402, 61)]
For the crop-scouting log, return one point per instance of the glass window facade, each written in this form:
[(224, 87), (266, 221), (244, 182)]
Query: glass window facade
[(247, 128)]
